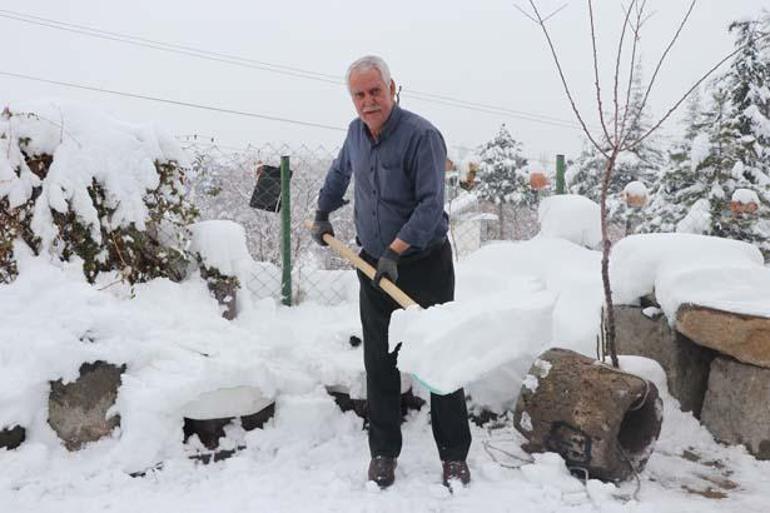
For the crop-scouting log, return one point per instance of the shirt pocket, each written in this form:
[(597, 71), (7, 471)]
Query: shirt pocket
[(395, 183)]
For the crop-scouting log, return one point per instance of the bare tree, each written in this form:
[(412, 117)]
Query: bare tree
[(614, 137)]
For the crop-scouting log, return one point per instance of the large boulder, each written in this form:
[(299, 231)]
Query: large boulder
[(736, 408), (686, 363), (604, 422), (744, 337), (77, 411)]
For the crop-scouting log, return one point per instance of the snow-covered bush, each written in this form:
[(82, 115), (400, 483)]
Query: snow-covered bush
[(80, 185)]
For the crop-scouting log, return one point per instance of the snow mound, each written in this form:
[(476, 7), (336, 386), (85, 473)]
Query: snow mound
[(513, 301), (221, 244), (636, 188), (449, 345), (686, 268), (571, 217), (745, 196)]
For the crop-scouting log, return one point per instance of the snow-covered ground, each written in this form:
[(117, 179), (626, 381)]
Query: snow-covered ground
[(310, 456)]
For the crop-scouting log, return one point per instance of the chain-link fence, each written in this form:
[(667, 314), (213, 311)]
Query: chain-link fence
[(243, 185)]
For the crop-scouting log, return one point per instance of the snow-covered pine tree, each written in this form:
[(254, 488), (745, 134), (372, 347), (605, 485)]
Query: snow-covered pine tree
[(679, 185), (502, 177), (642, 163), (729, 152), (748, 153)]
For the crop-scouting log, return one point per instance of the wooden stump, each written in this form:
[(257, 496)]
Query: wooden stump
[(602, 421)]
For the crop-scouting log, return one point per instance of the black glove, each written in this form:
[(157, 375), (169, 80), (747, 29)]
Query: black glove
[(387, 267), (321, 226)]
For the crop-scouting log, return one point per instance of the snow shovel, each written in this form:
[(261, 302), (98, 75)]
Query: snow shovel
[(398, 295)]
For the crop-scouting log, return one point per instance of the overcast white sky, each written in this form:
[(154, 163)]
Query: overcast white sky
[(483, 52)]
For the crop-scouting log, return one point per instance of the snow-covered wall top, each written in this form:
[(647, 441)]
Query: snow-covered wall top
[(572, 217), (686, 268)]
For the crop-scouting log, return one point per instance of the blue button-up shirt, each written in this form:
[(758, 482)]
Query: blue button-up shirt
[(399, 182)]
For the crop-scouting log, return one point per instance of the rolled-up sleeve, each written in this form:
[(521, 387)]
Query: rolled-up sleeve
[(330, 197), (428, 164)]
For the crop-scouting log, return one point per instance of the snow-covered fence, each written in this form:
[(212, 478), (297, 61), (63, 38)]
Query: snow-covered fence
[(222, 185)]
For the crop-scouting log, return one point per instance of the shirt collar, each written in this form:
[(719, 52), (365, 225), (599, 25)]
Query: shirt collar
[(389, 126)]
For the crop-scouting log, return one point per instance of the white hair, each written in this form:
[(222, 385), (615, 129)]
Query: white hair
[(366, 63)]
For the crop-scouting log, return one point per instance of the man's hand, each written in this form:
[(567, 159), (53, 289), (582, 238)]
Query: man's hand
[(321, 226), (387, 267)]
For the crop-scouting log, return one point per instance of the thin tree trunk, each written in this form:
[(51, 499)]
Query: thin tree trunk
[(610, 325), (500, 218)]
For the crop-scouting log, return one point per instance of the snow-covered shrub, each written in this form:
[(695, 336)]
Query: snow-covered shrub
[(79, 185)]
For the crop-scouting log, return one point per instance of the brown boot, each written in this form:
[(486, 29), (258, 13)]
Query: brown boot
[(382, 470), (456, 470)]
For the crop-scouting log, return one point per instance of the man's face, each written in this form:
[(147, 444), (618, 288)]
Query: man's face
[(372, 97)]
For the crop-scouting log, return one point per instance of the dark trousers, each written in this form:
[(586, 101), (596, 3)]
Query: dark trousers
[(428, 279)]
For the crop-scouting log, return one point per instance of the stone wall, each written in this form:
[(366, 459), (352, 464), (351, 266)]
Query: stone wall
[(730, 397)]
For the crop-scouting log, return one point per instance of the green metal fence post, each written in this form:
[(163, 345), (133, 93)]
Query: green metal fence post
[(285, 231), (560, 170)]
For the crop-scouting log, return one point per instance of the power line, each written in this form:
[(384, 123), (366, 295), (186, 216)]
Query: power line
[(203, 107), (200, 141), (273, 68), (171, 101)]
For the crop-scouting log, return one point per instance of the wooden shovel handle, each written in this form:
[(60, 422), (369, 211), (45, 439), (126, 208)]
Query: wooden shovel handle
[(342, 249)]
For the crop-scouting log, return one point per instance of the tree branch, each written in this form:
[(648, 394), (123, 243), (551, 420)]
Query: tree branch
[(689, 91), (637, 26), (617, 67), (564, 81), (660, 63), (596, 76)]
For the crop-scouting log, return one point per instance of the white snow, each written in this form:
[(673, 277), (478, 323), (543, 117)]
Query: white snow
[(700, 149), (310, 448), (571, 217), (86, 146), (531, 382), (636, 188), (221, 245), (685, 268), (449, 345), (698, 218), (745, 196)]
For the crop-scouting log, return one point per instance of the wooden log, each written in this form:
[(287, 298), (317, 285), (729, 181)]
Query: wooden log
[(604, 422), (744, 337)]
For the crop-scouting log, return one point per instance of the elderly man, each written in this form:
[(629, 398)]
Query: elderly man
[(398, 161)]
